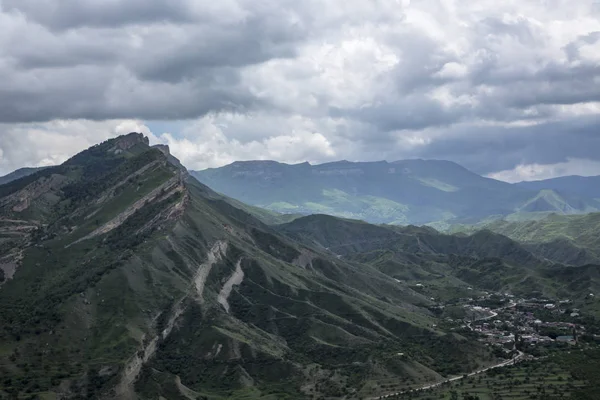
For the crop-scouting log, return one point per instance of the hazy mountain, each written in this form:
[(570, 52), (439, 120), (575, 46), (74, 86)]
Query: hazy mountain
[(401, 192), (583, 186), (20, 173)]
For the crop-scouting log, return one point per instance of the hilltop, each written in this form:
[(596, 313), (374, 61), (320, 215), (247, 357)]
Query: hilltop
[(583, 186)]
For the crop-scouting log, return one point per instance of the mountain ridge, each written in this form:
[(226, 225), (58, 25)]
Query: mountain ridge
[(19, 173), (567, 195)]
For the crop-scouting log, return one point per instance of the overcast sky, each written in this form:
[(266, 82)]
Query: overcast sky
[(509, 88)]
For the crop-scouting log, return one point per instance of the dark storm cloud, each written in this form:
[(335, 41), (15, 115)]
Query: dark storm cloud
[(164, 71), (210, 49), (82, 98), (490, 149), (68, 14)]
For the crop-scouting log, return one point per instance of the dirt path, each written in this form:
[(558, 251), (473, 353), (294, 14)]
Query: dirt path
[(456, 378)]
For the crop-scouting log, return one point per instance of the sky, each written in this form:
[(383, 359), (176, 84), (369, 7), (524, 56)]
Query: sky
[(509, 89)]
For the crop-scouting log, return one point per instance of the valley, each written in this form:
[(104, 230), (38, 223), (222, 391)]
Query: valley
[(514, 330)]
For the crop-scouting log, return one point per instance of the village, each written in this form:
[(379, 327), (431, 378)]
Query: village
[(510, 323)]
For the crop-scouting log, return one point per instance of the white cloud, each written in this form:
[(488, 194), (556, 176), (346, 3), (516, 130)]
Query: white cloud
[(205, 145), (534, 172)]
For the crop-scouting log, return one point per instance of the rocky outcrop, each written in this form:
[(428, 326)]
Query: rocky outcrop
[(169, 187), (163, 149), (128, 141)]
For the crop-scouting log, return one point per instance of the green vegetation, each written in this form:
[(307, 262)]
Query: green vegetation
[(562, 375), (570, 239)]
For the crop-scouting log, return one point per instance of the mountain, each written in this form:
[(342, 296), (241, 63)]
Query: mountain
[(20, 173), (124, 277), (401, 192), (582, 186)]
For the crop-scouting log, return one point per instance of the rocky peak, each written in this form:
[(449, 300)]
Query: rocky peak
[(128, 141)]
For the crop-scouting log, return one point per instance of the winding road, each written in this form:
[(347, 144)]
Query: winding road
[(457, 378), (513, 360)]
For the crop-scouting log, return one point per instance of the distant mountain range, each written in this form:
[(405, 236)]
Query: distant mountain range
[(400, 192), (20, 173)]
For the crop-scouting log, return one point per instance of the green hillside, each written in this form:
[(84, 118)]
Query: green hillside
[(446, 265), (570, 239), (124, 277), (20, 173)]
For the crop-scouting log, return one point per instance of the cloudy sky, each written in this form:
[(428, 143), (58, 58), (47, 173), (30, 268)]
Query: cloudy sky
[(510, 88)]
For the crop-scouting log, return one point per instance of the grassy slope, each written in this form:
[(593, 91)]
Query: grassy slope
[(267, 216), (563, 374), (302, 322), (69, 307), (330, 314), (518, 382), (443, 263)]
